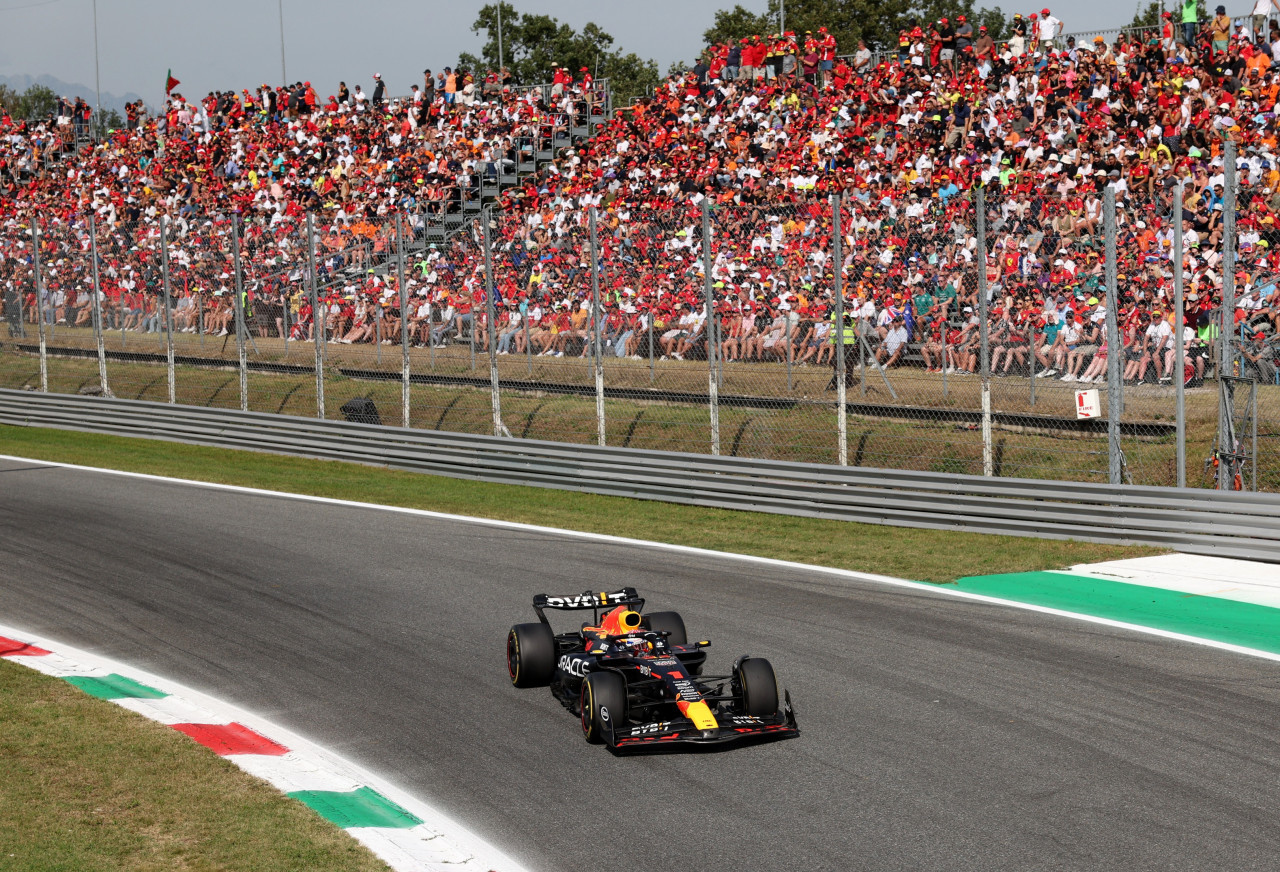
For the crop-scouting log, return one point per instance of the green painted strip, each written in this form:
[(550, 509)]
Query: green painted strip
[(364, 807), (115, 687), (1237, 623)]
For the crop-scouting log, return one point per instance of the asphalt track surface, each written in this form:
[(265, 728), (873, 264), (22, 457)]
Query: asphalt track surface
[(937, 733)]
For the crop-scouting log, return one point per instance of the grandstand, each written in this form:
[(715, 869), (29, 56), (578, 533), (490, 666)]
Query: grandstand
[(763, 132)]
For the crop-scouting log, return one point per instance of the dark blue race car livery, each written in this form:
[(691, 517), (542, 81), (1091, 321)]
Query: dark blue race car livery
[(637, 683)]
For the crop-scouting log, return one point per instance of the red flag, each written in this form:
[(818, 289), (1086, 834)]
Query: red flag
[(170, 83)]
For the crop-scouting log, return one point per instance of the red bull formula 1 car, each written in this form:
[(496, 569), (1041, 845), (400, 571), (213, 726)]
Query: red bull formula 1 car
[(637, 683)]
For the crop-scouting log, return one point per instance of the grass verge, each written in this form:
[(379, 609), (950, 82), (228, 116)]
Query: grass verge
[(924, 555), (89, 785)]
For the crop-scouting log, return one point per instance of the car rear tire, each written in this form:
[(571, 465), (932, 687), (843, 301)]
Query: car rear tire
[(603, 699), (667, 622), (531, 655), (759, 687)]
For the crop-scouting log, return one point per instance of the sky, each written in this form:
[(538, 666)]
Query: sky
[(236, 43)]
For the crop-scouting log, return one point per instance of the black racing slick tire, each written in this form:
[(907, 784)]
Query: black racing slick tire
[(531, 655), (667, 622), (759, 687), (604, 701)]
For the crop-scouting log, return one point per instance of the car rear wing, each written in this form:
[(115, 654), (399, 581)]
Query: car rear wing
[(627, 596)]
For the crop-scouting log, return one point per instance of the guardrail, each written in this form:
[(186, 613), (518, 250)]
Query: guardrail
[(1222, 523)]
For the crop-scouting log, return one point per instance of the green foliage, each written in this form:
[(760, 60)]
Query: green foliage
[(1147, 17), (107, 121), (996, 23), (9, 100), (876, 21), (38, 101), (736, 23), (534, 45)]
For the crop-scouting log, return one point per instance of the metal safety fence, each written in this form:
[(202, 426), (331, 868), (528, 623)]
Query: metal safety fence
[(1227, 524), (958, 333)]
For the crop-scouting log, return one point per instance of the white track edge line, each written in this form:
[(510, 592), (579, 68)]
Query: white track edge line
[(846, 574), (487, 856)]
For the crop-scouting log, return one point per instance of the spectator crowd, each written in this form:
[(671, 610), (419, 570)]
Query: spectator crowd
[(753, 141)]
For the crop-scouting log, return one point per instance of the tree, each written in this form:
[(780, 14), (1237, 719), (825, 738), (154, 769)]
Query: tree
[(534, 45), (876, 21), (107, 120), (9, 100), (995, 21), (736, 23), (1148, 17), (630, 76), (38, 101)]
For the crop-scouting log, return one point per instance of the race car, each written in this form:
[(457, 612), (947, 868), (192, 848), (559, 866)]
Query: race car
[(637, 683)]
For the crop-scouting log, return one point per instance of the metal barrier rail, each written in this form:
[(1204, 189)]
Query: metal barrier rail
[(1222, 523)]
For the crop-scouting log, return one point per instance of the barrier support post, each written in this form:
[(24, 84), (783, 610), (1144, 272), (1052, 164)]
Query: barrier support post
[(1115, 353), (713, 394), (984, 330), (842, 391), (1179, 345), (98, 326), (168, 310), (404, 324), (596, 333), (318, 326), (239, 310), (491, 314), (40, 303)]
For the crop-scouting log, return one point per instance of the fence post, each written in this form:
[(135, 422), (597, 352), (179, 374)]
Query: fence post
[(317, 315), (377, 331), (431, 337), (22, 317), (239, 310), (491, 312), (1226, 368), (39, 286), (98, 326), (524, 325), (120, 308), (474, 314), (596, 333), (984, 330), (786, 333), (713, 394), (1179, 346), (837, 255), (862, 358), (1031, 362), (1115, 353), (650, 328), (404, 324), (168, 309)]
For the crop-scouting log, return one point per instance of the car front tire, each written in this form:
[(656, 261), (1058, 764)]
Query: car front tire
[(603, 700), (759, 687)]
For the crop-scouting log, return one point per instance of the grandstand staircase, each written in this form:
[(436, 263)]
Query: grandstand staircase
[(534, 154)]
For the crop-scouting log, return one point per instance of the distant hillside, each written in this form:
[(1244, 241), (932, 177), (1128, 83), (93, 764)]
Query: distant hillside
[(65, 89)]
